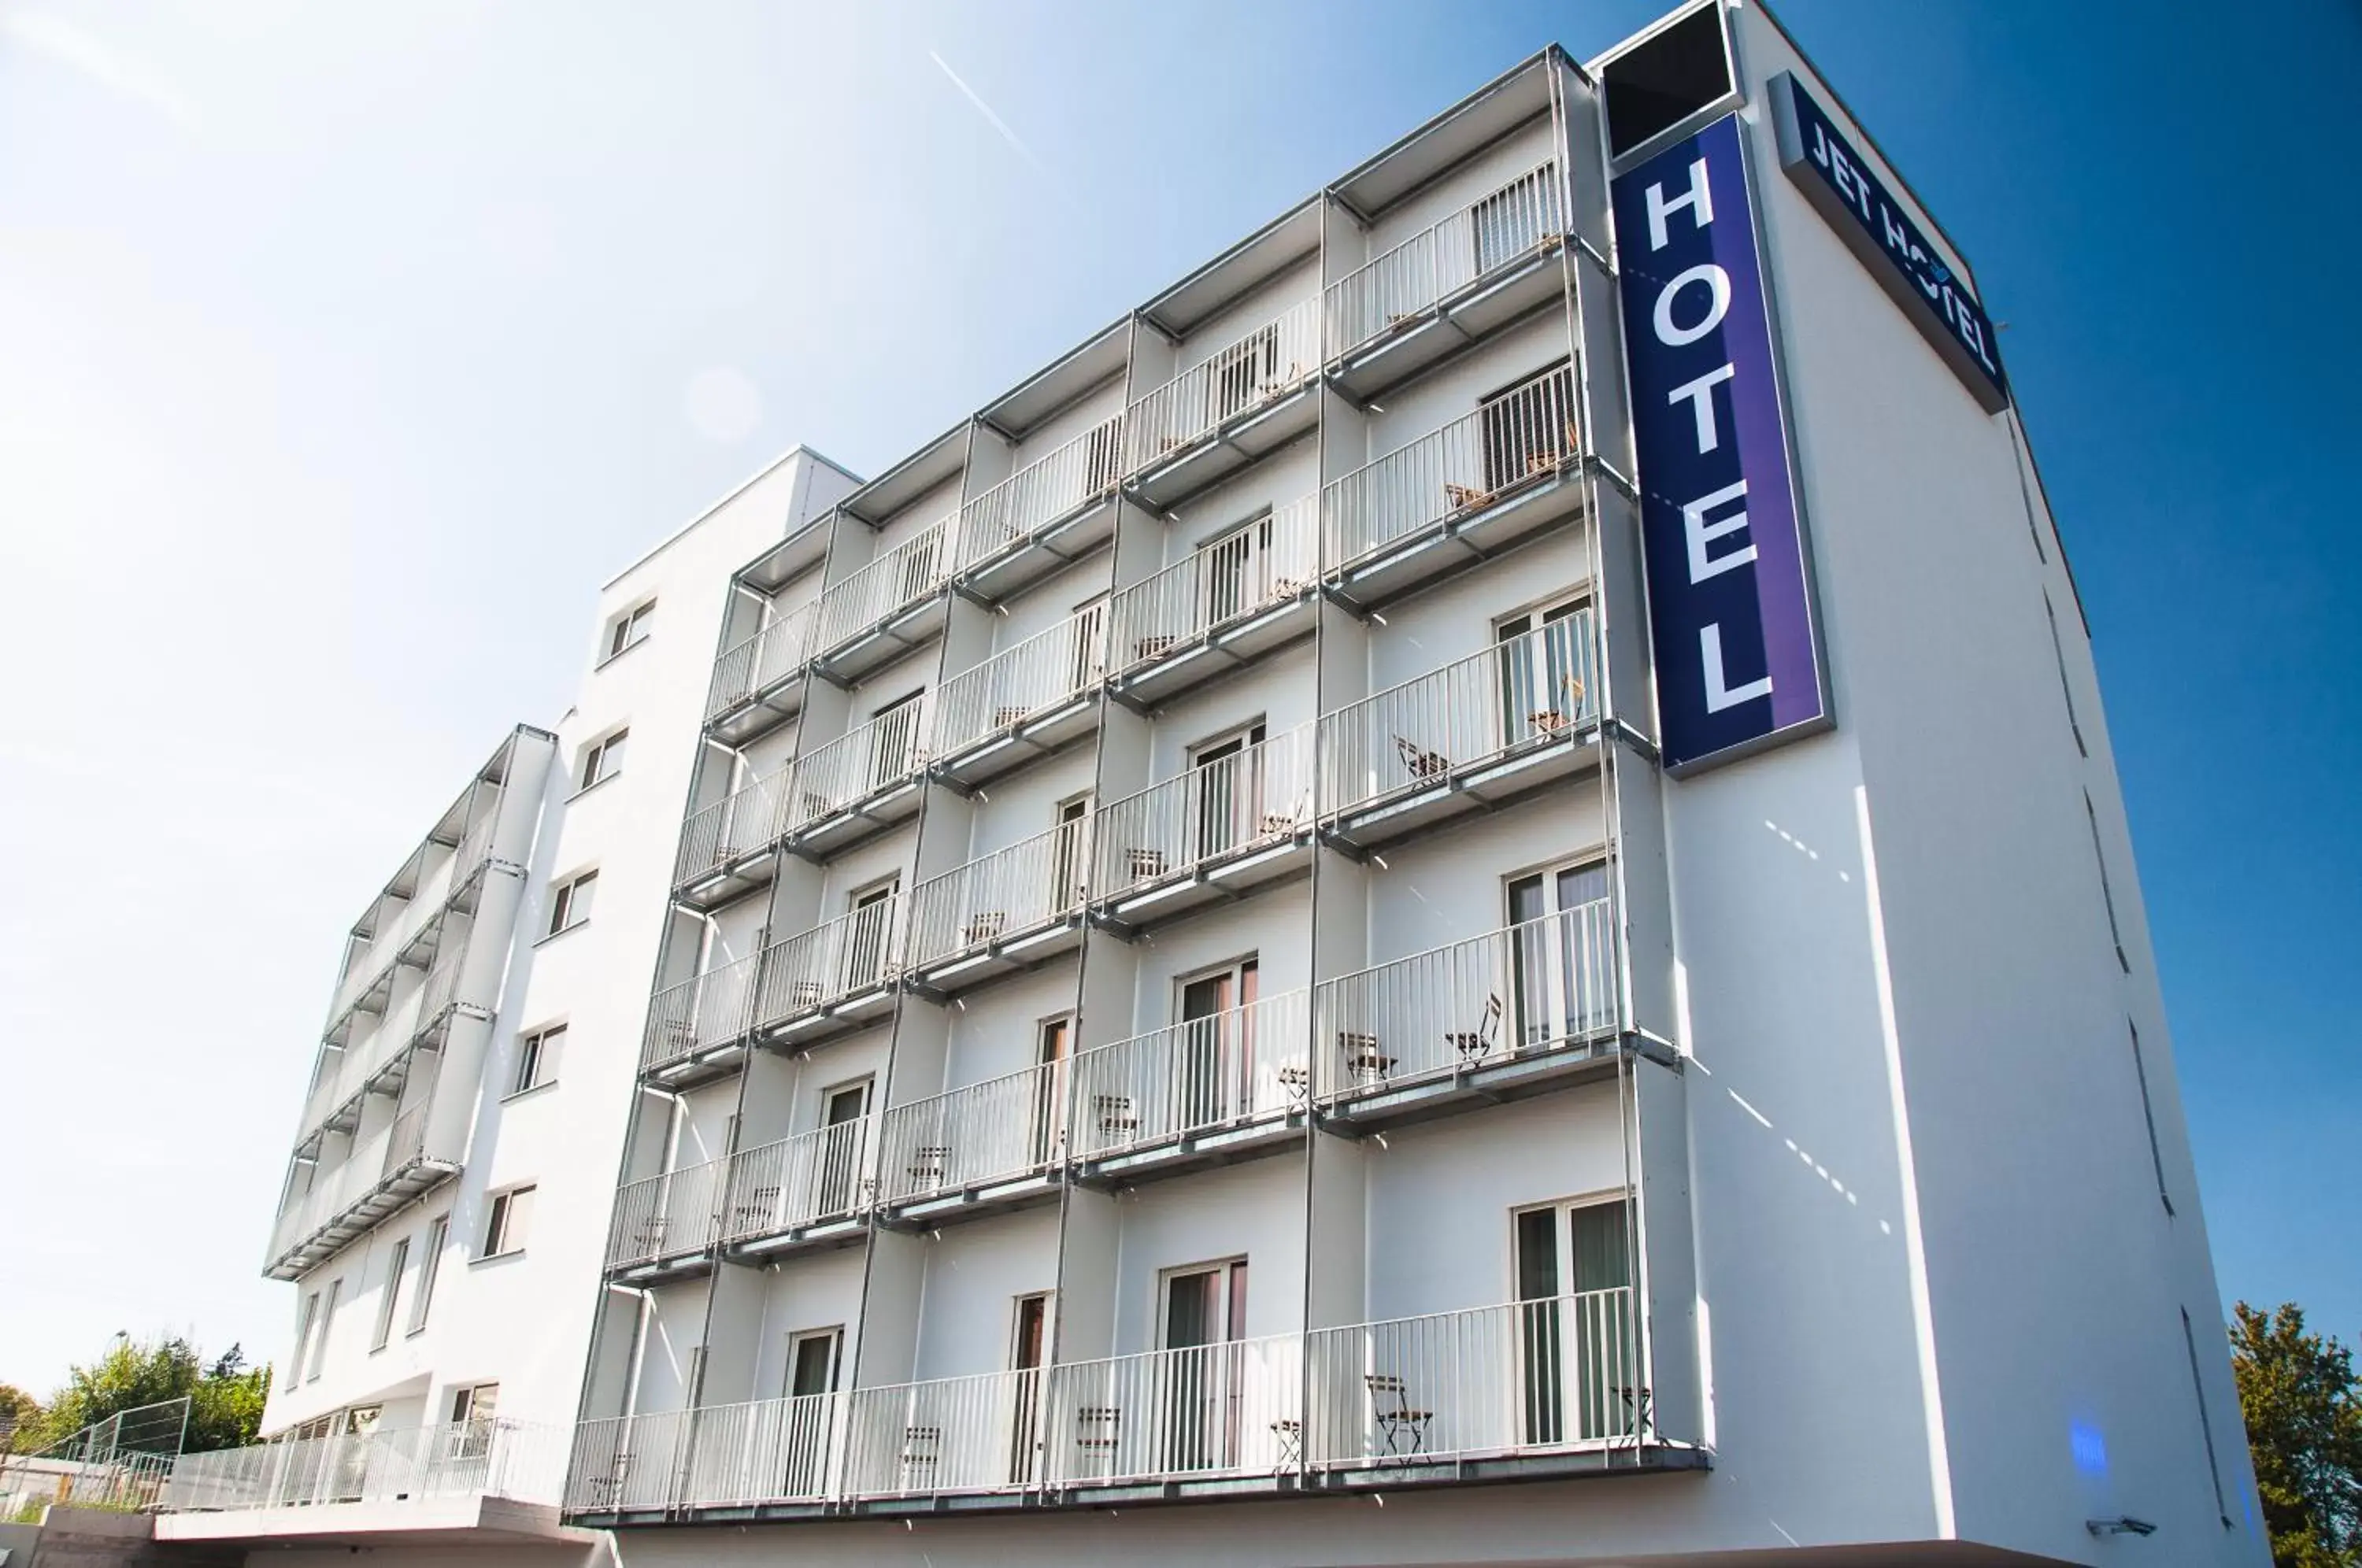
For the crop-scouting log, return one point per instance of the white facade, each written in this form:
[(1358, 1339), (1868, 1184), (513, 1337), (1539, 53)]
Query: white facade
[(1181, 981)]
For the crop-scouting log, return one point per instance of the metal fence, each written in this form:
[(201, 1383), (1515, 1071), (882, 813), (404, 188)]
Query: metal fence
[(368, 1164), (1266, 563), (871, 757), (488, 1458), (740, 823), (1534, 986), (761, 661), (668, 1215), (999, 1129), (699, 1013), (1247, 1064), (815, 968), (799, 1182), (1398, 286), (1257, 795), (1521, 436), (1552, 1374), (1009, 891), (1042, 493), (1266, 363), (1229, 1408), (885, 587), (1526, 691), (954, 1434), (1044, 671)]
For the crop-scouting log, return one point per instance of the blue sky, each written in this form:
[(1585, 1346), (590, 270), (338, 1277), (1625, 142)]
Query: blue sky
[(345, 350)]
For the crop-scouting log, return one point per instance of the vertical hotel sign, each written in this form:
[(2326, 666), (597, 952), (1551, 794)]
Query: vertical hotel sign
[(1730, 604)]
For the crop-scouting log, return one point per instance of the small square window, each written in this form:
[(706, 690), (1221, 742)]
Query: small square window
[(629, 629), (536, 1062), (505, 1226), (602, 760), (569, 902)]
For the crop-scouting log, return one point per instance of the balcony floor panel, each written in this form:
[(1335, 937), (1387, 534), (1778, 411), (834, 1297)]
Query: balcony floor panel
[(1208, 1148), (669, 1270), (857, 824), (1044, 553), (728, 883), (701, 1066), (756, 1251), (1455, 542), (1532, 1070), (906, 632), (1197, 465), (847, 1015), (754, 717), (1425, 337), (1202, 661), (1020, 746), (1226, 878), (1026, 949), (1489, 784), (979, 1200)]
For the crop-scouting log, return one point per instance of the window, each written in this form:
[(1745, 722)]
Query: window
[(1561, 972), (2107, 896), (602, 760), (537, 1061), (1026, 1357), (328, 1322), (1573, 1273), (430, 1263), (304, 1323), (1514, 218), (505, 1226), (1204, 1308), (1546, 686), (1225, 790), (569, 902), (1050, 1088), (1211, 1075), (812, 1378), (472, 1410), (394, 1265), (2148, 1117), (1664, 79), (1527, 430), (629, 630), (894, 739)]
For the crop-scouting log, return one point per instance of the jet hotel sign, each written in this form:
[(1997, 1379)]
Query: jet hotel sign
[(1730, 604)]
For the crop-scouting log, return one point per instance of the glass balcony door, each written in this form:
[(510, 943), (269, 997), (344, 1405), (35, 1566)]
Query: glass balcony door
[(1560, 994), (1576, 1369)]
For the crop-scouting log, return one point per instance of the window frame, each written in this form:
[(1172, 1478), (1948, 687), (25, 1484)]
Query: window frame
[(504, 1227), (430, 1268), (601, 759), (327, 1318), (533, 1053), (396, 1265), (564, 896), (627, 630)]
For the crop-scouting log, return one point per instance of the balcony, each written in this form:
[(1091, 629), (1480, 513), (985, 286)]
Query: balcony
[(1011, 909), (809, 1191), (1447, 286), (422, 1469), (1224, 606), (665, 1227), (886, 609), (1027, 701), (758, 683), (838, 976), (980, 1149), (696, 1029), (1205, 1091), (1219, 831), (1554, 1386), (1243, 403), (377, 1176), (1496, 1016), (1454, 497), (1473, 736), (749, 1458), (1047, 514), (731, 847), (859, 785), (942, 1437)]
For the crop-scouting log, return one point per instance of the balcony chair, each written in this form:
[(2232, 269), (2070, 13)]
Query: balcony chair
[(1155, 647), (928, 1166), (1145, 863), (922, 1447), (754, 1211), (1011, 713), (984, 927), (1116, 1112), (1098, 1428), (1365, 1063), (1404, 1426), (1475, 1044), (1297, 1082), (1423, 764), (1550, 721), (1466, 497)]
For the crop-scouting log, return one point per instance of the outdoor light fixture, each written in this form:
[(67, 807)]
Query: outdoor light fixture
[(2123, 1524)]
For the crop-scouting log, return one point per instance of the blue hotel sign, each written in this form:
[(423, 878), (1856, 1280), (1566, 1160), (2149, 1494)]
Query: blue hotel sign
[(1731, 604), (1838, 182)]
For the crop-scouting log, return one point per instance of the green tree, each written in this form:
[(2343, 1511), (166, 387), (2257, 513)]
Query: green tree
[(225, 1396), (2303, 1410), (20, 1420)]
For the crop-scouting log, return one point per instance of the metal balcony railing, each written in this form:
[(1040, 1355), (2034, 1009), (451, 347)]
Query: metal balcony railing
[(771, 1451), (1044, 671), (1536, 986), (1262, 565), (799, 1182), (699, 1013), (1517, 439), (1437, 262), (1042, 493), (874, 756), (1251, 1063), (878, 591), (739, 824), (1231, 1409), (1523, 693), (668, 1215), (488, 1458), (954, 1434), (814, 968), (1001, 894), (1557, 1372), (1259, 795), (336, 1188), (1267, 364), (999, 1129), (761, 661), (366, 966)]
